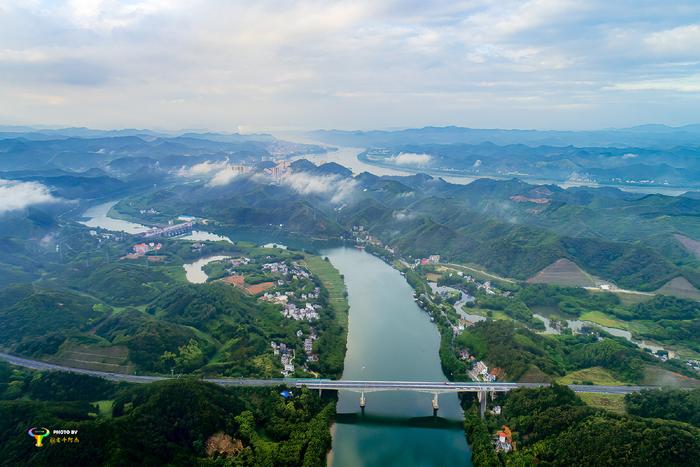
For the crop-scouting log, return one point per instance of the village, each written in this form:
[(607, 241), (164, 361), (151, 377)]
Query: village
[(287, 284)]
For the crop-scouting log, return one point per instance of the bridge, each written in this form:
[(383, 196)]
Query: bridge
[(482, 389)]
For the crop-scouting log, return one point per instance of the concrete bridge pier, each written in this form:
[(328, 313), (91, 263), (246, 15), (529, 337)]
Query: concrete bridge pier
[(436, 406), (362, 400), (482, 396)]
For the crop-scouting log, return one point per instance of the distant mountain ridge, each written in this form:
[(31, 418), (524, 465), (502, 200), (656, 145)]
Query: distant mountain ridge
[(31, 133), (651, 135)]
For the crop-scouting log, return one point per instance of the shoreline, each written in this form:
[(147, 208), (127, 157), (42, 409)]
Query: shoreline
[(329, 454)]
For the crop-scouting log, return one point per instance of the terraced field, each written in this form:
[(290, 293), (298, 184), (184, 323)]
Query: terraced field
[(114, 359), (612, 402), (594, 375)]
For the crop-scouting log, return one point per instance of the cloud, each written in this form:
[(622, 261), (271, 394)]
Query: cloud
[(16, 195), (680, 40), (220, 65), (404, 215), (688, 84), (220, 173), (107, 15), (336, 188), (203, 168), (409, 158), (224, 176)]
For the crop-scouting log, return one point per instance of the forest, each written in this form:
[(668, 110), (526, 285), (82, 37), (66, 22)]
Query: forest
[(180, 422), (553, 426)]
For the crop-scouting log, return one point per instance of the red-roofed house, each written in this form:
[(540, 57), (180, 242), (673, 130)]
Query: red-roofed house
[(141, 248)]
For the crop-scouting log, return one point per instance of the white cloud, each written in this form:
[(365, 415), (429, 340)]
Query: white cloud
[(224, 176), (218, 65), (107, 15), (404, 215), (336, 188), (679, 40), (15, 195), (203, 168), (410, 158), (220, 173), (688, 84)]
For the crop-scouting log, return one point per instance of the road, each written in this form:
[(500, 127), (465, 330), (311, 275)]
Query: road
[(326, 384), (478, 271)]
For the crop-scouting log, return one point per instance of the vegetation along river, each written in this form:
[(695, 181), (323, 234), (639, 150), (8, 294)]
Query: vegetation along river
[(389, 338)]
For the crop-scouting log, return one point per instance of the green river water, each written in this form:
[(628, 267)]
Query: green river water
[(390, 338)]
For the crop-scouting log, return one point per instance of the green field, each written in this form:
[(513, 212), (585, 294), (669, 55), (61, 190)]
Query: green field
[(601, 318), (332, 281), (495, 314), (105, 408), (612, 402), (594, 375)]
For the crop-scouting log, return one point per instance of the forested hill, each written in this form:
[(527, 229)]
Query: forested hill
[(509, 227), (183, 422), (516, 229)]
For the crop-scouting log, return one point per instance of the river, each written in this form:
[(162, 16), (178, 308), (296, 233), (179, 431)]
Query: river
[(98, 217), (194, 272), (389, 338)]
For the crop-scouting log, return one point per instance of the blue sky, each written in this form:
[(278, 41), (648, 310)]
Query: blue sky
[(273, 65)]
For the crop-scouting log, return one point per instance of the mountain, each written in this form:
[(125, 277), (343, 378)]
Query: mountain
[(646, 135)]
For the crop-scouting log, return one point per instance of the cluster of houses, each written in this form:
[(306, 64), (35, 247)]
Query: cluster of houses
[(102, 235), (295, 305), (432, 259), (309, 345), (280, 267), (694, 364), (486, 287), (143, 248), (306, 313), (286, 355), (275, 297), (149, 211), (479, 370), (140, 249), (236, 262), (242, 261)]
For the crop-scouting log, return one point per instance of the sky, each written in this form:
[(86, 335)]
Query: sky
[(295, 65)]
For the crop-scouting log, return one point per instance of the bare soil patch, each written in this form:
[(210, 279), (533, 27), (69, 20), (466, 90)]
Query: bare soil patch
[(563, 272), (693, 246), (680, 287)]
